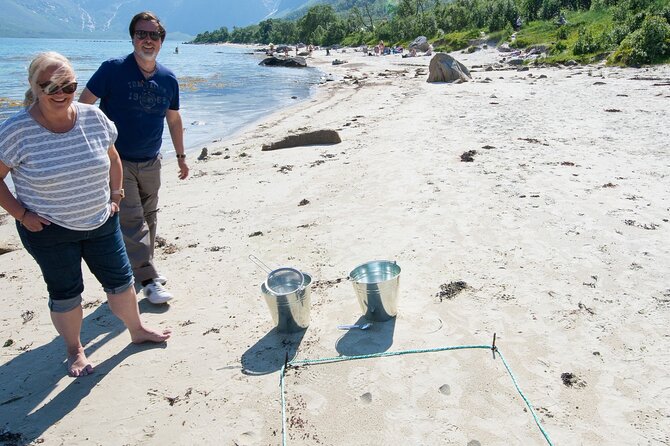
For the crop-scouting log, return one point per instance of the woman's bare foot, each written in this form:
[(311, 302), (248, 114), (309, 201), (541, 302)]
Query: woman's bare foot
[(144, 334), (78, 364)]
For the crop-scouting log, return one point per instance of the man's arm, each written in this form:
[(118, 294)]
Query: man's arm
[(175, 125), (87, 97)]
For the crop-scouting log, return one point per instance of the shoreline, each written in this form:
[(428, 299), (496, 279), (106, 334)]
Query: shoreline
[(220, 93), (554, 237), (196, 148)]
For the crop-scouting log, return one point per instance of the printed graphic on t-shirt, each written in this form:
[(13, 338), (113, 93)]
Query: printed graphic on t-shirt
[(151, 97)]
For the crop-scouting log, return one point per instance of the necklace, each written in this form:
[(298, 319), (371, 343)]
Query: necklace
[(147, 73)]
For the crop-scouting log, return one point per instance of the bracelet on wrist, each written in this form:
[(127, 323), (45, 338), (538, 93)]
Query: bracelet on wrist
[(120, 192), (181, 155)]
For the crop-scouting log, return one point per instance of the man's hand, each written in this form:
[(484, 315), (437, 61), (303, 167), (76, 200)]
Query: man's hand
[(183, 168)]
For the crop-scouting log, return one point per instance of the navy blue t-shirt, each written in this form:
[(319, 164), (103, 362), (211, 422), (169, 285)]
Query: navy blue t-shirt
[(135, 104)]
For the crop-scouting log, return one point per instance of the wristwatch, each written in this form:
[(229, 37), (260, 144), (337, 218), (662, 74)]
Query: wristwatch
[(120, 193)]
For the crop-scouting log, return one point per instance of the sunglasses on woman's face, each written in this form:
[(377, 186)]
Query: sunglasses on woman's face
[(49, 88), (141, 34)]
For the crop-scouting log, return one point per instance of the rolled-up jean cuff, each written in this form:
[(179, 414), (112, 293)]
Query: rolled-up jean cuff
[(119, 289), (64, 305)]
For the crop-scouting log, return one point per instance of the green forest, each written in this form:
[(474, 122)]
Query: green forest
[(625, 32)]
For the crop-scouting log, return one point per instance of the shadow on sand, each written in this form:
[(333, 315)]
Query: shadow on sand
[(271, 352), (27, 380), (376, 339)]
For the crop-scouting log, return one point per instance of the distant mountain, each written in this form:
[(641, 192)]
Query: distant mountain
[(109, 18)]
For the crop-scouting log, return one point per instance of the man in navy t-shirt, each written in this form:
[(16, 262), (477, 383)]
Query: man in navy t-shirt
[(139, 95)]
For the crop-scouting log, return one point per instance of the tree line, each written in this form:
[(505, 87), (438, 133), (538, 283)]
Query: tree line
[(637, 30)]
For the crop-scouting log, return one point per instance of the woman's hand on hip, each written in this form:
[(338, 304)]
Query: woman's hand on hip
[(33, 222), (114, 208)]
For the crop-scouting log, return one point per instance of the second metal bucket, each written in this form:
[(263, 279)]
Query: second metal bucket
[(376, 285), (290, 312)]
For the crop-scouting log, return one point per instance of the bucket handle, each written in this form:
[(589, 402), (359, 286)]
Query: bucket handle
[(259, 263)]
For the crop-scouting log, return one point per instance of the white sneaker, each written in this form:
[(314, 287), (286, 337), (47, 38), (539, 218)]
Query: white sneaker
[(161, 279), (156, 294)]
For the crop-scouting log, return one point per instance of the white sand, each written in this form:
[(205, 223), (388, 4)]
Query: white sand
[(559, 228)]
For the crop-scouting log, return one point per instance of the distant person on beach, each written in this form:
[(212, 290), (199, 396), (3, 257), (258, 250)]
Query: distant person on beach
[(411, 53), (139, 95), (67, 176)]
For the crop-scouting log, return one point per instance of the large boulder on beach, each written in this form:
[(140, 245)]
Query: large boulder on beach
[(317, 137), (444, 68), (279, 61), (420, 44)]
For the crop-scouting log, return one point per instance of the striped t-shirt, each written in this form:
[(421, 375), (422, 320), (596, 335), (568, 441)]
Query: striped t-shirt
[(63, 177)]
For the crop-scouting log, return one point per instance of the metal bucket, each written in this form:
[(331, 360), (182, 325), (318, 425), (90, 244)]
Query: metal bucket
[(376, 285), (290, 312)]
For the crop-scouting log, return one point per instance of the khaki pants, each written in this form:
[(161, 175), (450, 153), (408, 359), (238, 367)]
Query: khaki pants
[(141, 182)]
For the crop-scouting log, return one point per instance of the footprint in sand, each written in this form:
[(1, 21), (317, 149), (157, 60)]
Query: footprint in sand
[(445, 389), (247, 438), (366, 397)]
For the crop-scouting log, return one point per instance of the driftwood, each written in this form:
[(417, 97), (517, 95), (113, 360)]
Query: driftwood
[(318, 137)]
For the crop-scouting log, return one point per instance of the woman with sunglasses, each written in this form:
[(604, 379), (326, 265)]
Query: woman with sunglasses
[(67, 175)]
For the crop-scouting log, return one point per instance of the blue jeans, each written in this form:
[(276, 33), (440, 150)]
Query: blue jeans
[(59, 251)]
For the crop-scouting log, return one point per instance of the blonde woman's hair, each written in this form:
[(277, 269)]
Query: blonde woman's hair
[(41, 62)]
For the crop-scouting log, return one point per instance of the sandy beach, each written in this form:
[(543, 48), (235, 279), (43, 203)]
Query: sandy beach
[(554, 237)]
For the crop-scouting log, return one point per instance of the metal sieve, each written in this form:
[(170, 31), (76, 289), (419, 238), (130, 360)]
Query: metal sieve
[(281, 281)]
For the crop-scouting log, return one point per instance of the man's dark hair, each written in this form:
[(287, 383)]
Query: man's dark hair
[(150, 17)]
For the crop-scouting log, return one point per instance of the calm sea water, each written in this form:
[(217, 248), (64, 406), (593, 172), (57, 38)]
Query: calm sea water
[(223, 89)]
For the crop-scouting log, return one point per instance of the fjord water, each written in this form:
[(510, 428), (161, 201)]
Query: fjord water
[(222, 88)]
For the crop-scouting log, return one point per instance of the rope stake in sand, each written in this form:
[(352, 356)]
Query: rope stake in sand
[(491, 347)]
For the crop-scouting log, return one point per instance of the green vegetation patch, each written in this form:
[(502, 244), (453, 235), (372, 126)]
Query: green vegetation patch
[(456, 40)]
